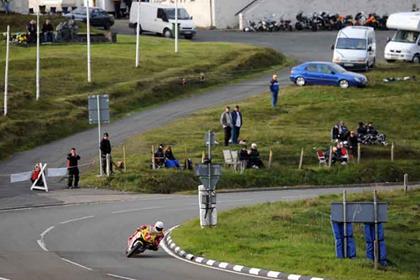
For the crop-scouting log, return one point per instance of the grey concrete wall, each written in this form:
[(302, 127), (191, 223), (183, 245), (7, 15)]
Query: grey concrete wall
[(289, 8), (225, 11)]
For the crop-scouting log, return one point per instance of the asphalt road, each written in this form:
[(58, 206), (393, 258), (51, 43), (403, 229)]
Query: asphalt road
[(87, 241)]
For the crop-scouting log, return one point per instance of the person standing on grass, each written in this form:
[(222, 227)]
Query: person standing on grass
[(274, 88), (226, 122), (236, 124), (48, 31), (73, 169), (105, 151)]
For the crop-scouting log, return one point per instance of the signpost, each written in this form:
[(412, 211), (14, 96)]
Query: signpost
[(138, 35), (37, 56), (6, 70), (98, 107), (209, 175), (176, 26), (89, 73)]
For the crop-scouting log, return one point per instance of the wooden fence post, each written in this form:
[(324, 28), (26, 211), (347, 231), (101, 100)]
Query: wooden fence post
[(405, 182), (301, 159), (153, 158), (358, 152), (392, 151), (124, 159), (270, 158), (330, 157)]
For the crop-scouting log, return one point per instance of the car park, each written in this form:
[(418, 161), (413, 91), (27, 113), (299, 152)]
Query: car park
[(97, 17), (355, 48), (326, 73)]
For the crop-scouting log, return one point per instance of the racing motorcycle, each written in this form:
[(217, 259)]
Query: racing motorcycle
[(141, 241)]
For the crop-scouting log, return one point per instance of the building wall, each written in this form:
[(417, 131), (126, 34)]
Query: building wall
[(288, 9), (225, 11), (18, 6)]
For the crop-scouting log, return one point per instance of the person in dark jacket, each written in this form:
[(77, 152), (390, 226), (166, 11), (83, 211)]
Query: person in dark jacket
[(73, 169), (170, 160), (243, 157), (236, 124), (159, 156), (105, 148), (31, 31), (352, 143), (254, 160), (274, 88), (335, 133), (48, 31)]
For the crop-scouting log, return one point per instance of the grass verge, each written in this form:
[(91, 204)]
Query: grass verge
[(303, 120), (62, 108), (297, 238)]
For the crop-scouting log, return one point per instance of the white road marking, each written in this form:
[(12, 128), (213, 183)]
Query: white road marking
[(317, 278), (189, 256), (199, 259), (1, 278), (210, 262), (41, 242), (77, 264), (254, 271), (76, 219), (120, 277), (293, 277), (135, 210), (273, 274)]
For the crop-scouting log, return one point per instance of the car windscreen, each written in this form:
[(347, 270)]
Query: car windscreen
[(182, 13), (405, 36), (351, 44)]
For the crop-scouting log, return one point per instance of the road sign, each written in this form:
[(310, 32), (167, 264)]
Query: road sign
[(209, 176), (103, 109), (359, 212), (210, 137)]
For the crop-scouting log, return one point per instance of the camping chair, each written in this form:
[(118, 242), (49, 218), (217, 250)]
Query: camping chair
[(231, 158), (321, 157)]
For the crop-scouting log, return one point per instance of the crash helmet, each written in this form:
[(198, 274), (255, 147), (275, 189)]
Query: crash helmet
[(159, 226)]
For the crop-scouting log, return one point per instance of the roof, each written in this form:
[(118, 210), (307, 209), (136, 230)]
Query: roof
[(246, 7), (404, 21), (354, 31)]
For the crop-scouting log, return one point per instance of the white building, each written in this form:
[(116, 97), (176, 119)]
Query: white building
[(18, 6), (225, 13)]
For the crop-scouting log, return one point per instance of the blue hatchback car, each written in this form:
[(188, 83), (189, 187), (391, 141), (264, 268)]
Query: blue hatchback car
[(326, 73)]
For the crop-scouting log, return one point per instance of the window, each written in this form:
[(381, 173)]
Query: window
[(311, 68), (325, 69), (351, 44), (405, 36)]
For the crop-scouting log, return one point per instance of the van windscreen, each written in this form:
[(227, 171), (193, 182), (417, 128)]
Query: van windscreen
[(351, 44), (182, 13), (405, 36)]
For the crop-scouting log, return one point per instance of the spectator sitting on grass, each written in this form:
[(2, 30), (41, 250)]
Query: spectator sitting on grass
[(254, 160), (31, 31), (243, 157), (48, 31), (342, 154), (159, 156), (361, 130), (170, 160)]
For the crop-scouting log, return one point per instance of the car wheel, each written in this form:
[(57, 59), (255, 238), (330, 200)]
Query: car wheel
[(416, 59), (373, 63), (343, 83), (167, 33), (188, 37), (300, 81)]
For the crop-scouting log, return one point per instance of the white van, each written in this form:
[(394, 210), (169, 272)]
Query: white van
[(355, 47), (405, 44), (159, 18)]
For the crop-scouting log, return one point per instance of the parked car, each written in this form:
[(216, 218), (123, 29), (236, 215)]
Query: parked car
[(97, 17), (355, 48), (326, 73)]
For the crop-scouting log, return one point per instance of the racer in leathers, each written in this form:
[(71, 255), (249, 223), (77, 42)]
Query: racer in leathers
[(154, 231)]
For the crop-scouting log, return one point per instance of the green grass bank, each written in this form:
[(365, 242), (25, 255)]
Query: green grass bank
[(296, 237), (62, 108), (303, 120)]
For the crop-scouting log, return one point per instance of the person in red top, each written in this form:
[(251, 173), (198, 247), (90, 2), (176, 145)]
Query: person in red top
[(35, 175), (156, 234)]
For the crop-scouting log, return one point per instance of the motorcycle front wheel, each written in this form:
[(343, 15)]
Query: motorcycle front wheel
[(130, 252)]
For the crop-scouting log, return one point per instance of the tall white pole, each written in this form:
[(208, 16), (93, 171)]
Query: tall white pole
[(89, 74), (138, 36), (6, 70), (37, 56), (99, 133), (176, 26)]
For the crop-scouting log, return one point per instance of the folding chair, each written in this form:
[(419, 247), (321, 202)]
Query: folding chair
[(321, 157)]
